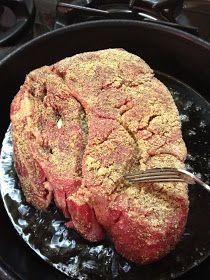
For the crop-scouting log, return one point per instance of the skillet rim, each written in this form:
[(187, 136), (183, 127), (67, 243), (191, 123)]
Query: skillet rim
[(103, 23)]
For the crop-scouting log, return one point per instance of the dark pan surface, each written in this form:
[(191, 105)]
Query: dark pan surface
[(68, 252)]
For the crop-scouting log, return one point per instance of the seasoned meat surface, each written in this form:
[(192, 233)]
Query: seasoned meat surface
[(82, 123)]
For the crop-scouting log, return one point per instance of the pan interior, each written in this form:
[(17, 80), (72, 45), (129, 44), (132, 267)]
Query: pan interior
[(63, 248)]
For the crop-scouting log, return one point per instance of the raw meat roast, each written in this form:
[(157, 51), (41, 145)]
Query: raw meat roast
[(79, 126)]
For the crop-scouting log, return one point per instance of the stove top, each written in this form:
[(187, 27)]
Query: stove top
[(15, 18), (190, 16), (81, 10), (18, 24)]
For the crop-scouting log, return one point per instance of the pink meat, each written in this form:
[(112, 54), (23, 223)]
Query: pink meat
[(79, 126)]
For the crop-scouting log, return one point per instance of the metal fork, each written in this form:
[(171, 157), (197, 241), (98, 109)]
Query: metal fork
[(165, 175)]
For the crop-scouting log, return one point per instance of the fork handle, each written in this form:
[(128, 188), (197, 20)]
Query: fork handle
[(195, 178), (207, 187)]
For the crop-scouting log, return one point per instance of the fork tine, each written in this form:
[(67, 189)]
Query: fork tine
[(157, 176), (165, 174), (151, 179), (155, 170), (153, 174), (160, 169)]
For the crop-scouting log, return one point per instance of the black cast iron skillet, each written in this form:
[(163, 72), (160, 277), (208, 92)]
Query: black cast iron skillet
[(173, 53)]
